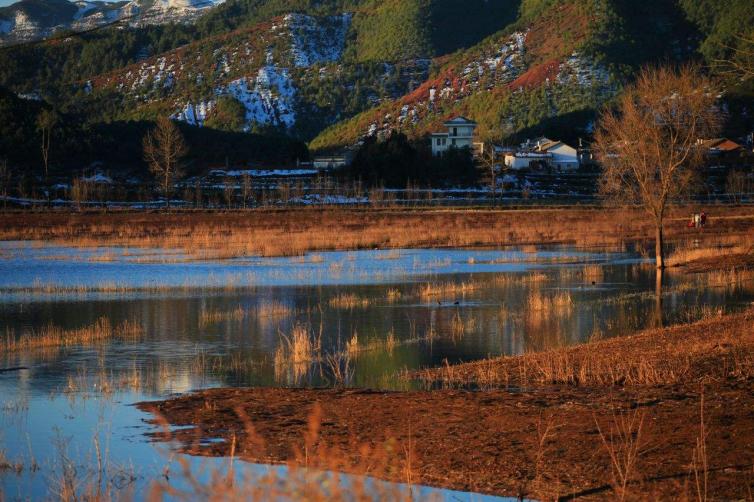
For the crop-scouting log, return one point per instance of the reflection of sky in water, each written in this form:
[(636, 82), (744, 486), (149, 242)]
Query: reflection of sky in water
[(26, 266), (611, 294), (63, 430)]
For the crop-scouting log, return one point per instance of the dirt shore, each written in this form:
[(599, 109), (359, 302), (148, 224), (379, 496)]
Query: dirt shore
[(545, 440)]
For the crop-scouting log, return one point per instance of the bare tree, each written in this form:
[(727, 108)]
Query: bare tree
[(740, 63), (164, 148), (46, 122), (229, 191), (737, 185), (198, 196), (648, 145), (246, 187), (79, 191), (489, 163), (5, 176)]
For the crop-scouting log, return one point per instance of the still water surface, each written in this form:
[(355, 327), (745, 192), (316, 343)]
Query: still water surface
[(221, 323)]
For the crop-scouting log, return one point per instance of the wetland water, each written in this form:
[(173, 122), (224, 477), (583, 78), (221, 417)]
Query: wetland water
[(222, 323)]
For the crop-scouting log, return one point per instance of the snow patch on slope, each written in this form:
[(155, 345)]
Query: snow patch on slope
[(316, 40), (194, 114), (582, 71), (269, 99)]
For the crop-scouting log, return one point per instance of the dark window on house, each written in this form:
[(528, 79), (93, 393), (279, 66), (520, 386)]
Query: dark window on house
[(455, 131)]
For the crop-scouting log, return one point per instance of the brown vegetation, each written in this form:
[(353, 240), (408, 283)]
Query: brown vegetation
[(284, 232), (55, 336), (719, 347), (677, 429)]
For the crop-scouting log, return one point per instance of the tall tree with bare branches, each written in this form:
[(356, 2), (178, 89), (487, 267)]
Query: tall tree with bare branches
[(46, 122), (488, 159), (740, 62), (164, 149), (5, 177), (648, 144)]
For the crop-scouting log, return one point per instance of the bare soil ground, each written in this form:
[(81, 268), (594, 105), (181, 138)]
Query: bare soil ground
[(672, 436)]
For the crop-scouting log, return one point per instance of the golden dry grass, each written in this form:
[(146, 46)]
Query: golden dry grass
[(693, 250), (55, 336), (214, 316), (444, 289), (716, 347), (289, 232), (349, 301)]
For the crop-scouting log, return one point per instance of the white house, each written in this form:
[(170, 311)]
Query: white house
[(460, 135), (563, 157), (523, 160), (543, 152)]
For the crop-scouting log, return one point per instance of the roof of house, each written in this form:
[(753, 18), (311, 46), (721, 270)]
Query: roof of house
[(459, 121), (722, 144)]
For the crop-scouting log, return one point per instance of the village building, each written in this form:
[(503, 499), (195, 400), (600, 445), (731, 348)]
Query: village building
[(460, 135), (723, 152), (335, 161), (544, 153), (527, 160), (563, 157)]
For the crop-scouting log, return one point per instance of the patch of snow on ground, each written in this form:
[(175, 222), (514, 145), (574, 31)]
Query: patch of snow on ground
[(193, 114), (237, 173), (269, 98), (317, 40), (98, 178), (584, 71)]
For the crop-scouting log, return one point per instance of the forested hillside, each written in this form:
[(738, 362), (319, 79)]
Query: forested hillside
[(551, 70), (332, 72)]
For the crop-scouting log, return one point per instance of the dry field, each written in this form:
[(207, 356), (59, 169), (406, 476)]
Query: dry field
[(665, 414), (294, 232)]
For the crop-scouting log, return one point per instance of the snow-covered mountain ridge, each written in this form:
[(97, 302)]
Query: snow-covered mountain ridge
[(30, 20)]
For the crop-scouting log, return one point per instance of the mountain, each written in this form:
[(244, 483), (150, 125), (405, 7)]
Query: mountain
[(546, 73), (30, 20), (333, 72)]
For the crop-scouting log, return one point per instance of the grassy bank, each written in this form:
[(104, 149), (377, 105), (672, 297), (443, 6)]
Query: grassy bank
[(662, 414), (293, 232)]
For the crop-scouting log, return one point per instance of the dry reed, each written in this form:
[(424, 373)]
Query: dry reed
[(349, 301), (294, 233), (55, 336)]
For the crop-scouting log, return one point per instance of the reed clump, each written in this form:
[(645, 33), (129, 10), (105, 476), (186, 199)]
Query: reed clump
[(300, 346), (558, 304), (393, 295), (55, 336), (433, 290), (274, 309), (214, 316), (349, 301)]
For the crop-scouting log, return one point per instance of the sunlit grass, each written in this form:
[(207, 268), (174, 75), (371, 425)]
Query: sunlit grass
[(55, 336)]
